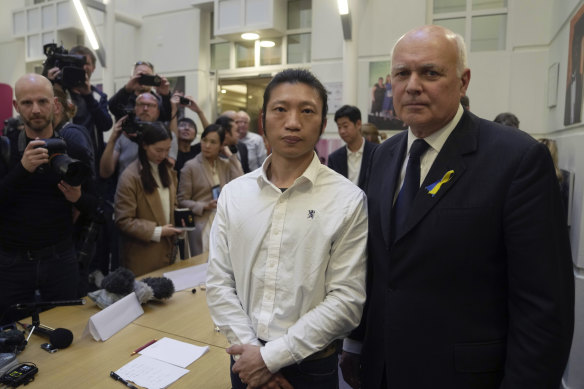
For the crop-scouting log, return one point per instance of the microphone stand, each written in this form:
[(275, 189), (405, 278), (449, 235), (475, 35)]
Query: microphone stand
[(36, 306), (36, 321)]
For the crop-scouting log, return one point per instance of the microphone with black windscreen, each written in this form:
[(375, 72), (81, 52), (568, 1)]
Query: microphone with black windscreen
[(59, 337)]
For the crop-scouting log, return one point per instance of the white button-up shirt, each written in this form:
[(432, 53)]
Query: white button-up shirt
[(288, 268), (256, 149), (354, 160)]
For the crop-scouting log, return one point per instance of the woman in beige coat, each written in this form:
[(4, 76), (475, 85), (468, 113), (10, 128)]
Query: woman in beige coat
[(145, 202), (198, 178)]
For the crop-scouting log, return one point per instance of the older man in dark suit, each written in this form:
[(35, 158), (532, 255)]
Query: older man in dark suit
[(351, 160), (470, 274)]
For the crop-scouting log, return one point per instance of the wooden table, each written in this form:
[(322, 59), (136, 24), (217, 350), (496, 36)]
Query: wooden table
[(185, 314), (87, 363)]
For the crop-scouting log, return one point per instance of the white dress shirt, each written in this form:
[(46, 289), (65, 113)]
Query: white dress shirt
[(436, 141), (288, 268), (256, 150), (354, 159)]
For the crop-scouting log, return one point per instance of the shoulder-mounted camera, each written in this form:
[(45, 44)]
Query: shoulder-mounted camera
[(71, 65)]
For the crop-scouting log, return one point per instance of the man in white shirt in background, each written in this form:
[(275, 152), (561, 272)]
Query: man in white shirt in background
[(352, 160), (254, 142), (285, 287)]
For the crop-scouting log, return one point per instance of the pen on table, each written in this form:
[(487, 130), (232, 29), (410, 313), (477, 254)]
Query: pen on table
[(143, 347), (123, 381)]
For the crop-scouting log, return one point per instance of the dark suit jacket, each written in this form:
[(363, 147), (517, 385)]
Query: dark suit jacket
[(338, 162), (478, 291), (242, 149)]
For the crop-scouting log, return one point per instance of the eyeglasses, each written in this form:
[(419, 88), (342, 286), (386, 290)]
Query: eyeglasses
[(146, 105), (144, 63), (186, 127)]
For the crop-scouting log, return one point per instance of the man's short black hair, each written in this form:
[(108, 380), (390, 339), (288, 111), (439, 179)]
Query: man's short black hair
[(83, 51), (190, 121), (293, 76), (507, 119), (349, 111), (225, 122), (465, 101)]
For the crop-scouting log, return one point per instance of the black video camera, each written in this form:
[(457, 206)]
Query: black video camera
[(71, 65), (12, 124), (72, 171), (132, 125), (151, 80)]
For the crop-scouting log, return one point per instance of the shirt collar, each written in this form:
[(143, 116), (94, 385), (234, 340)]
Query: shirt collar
[(358, 152), (438, 138), (309, 175)]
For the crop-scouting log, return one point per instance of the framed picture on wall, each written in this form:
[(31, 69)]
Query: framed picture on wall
[(177, 84), (573, 107), (381, 112), (553, 74)]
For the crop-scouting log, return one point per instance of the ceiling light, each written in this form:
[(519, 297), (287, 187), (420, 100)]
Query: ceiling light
[(267, 44), (250, 36), (343, 7), (86, 25), (223, 91)]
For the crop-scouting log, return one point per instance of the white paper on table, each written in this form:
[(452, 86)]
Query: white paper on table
[(110, 320), (150, 373), (174, 351), (188, 277)]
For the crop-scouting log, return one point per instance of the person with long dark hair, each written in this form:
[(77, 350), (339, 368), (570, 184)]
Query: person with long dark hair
[(145, 202)]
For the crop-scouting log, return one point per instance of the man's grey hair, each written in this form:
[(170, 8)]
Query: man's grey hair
[(462, 61), (462, 57)]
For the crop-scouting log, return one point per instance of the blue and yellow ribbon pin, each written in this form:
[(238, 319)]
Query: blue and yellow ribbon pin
[(435, 187)]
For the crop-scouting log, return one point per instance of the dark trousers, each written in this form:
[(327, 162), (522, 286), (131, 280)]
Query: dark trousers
[(55, 274), (313, 374)]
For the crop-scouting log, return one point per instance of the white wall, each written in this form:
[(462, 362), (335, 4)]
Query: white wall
[(174, 36), (570, 143), (13, 64)]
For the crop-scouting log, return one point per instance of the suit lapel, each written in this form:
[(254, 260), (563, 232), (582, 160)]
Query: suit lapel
[(207, 169), (393, 160), (153, 200), (172, 197), (344, 166), (463, 140), (364, 163), (155, 203)]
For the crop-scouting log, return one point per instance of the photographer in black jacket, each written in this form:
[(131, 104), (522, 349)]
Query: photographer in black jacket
[(143, 80), (36, 204), (92, 112)]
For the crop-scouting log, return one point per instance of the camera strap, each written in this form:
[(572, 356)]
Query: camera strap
[(22, 140), (5, 149)]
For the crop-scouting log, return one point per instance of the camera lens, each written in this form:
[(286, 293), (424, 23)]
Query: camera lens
[(73, 172)]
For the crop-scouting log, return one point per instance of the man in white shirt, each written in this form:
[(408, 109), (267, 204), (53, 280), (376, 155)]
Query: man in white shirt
[(254, 142), (351, 160), (286, 272)]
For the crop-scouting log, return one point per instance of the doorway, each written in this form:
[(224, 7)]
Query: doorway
[(236, 94)]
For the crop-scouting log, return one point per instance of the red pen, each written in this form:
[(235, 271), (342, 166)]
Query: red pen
[(143, 347)]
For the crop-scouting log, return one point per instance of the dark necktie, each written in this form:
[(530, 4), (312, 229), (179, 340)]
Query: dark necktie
[(410, 187)]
